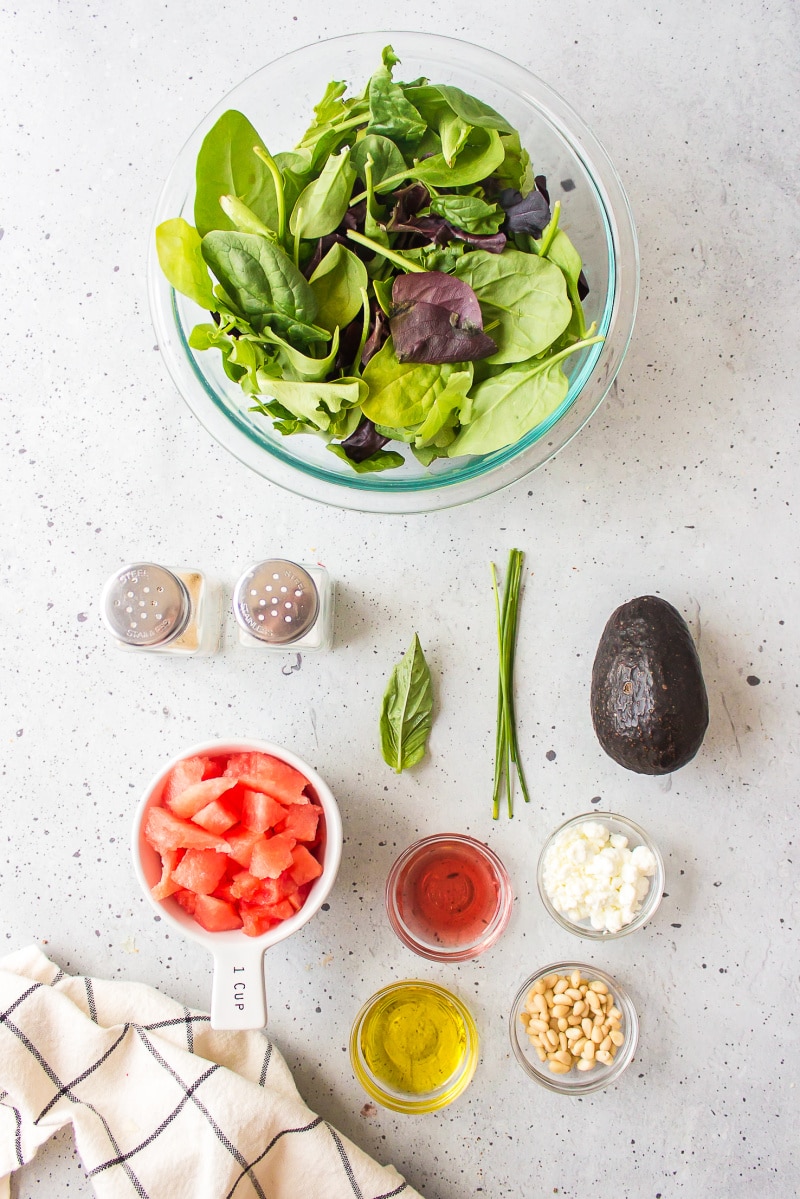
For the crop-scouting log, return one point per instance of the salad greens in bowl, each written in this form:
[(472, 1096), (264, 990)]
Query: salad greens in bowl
[(398, 290)]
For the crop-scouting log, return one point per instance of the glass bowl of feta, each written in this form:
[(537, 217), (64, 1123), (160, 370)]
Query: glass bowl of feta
[(600, 876)]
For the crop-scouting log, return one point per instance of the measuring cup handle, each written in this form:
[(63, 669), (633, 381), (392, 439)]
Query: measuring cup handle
[(238, 995)]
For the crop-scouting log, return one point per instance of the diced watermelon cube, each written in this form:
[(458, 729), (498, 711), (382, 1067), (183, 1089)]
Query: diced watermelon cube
[(195, 798), (272, 855), (301, 821), (273, 890), (297, 898), (262, 772), (255, 921), (260, 811), (245, 885), (187, 900), (240, 842), (305, 866), (279, 911), (164, 831), (184, 774), (166, 886), (216, 915), (217, 817), (200, 870)]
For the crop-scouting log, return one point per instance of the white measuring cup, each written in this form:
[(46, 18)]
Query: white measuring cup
[(238, 994)]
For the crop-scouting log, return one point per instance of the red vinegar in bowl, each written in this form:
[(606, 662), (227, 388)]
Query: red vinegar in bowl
[(448, 897)]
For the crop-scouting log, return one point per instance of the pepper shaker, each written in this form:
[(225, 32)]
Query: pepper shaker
[(148, 607), (280, 605)]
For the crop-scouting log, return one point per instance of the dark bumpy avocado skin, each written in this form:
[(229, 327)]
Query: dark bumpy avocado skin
[(649, 702)]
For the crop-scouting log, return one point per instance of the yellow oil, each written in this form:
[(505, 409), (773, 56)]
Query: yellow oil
[(413, 1040)]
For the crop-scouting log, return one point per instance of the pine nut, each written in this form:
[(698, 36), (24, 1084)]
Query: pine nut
[(585, 1064), (539, 1025), (538, 987), (579, 1046), (559, 1011), (562, 1024), (573, 993), (575, 978), (616, 1038), (614, 1013), (605, 1044), (587, 1026), (565, 1057), (589, 1051), (552, 1038), (573, 1034), (550, 981), (599, 1020), (540, 1053), (559, 1068), (540, 1003), (549, 997), (597, 1035), (572, 1021), (598, 987), (604, 1057), (580, 1008)]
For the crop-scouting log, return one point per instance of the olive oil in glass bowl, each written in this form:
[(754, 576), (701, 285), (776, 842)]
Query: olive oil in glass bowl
[(278, 99)]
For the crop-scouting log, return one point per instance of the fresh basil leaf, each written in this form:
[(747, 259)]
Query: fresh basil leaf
[(510, 405), (227, 166), (401, 393), (407, 710), (178, 247), (323, 202), (378, 461), (259, 277), (525, 295), (469, 213), (386, 158), (338, 283)]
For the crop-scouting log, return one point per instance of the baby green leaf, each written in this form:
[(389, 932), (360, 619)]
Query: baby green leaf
[(402, 393), (472, 110), (478, 158), (380, 460), (259, 277), (338, 283), (508, 406), (243, 219), (386, 158), (318, 404), (450, 406), (299, 366), (391, 114), (323, 202), (179, 255), (227, 166), (523, 299), (406, 713), (469, 213)]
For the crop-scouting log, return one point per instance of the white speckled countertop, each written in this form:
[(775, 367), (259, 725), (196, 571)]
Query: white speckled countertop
[(684, 483)]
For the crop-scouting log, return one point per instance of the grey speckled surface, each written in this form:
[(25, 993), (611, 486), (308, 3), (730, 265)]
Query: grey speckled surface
[(684, 483)]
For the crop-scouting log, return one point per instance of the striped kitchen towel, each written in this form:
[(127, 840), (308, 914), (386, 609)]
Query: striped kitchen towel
[(161, 1106)]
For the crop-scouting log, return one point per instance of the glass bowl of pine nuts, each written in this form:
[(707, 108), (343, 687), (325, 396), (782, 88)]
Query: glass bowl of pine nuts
[(581, 1044)]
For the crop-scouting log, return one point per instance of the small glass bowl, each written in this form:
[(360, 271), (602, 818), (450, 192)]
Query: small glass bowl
[(636, 836), (448, 897), (576, 1082), (413, 1000)]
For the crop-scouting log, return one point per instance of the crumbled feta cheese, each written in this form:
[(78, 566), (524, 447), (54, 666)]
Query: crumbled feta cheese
[(589, 874)]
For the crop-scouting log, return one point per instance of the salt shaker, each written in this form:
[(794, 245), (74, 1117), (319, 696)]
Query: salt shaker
[(281, 605), (148, 607)]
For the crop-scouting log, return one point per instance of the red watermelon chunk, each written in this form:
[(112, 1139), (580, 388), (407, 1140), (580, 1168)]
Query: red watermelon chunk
[(200, 870), (166, 886), (164, 831), (301, 821), (305, 866), (260, 811), (216, 817), (245, 885), (272, 855), (255, 921), (195, 798), (216, 915), (273, 890), (262, 772), (184, 774), (187, 900), (241, 841)]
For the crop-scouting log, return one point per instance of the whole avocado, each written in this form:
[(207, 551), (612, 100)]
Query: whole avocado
[(649, 702)]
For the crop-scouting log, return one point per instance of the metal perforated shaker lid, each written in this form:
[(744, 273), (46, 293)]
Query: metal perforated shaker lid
[(145, 604), (276, 601)]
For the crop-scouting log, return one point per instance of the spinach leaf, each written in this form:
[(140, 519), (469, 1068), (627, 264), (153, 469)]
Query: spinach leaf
[(391, 114), (263, 282), (323, 202), (401, 393), (337, 284), (386, 158), (469, 213), (472, 110), (378, 461), (564, 255), (227, 166), (480, 156), (179, 255), (407, 710), (526, 296)]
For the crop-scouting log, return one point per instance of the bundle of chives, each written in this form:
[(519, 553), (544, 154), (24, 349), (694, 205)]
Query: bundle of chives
[(507, 760)]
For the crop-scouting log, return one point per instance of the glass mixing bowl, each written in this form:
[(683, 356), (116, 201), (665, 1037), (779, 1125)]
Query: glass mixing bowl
[(278, 99)]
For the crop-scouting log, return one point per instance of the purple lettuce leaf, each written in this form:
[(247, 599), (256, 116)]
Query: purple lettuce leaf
[(436, 319), (364, 442), (379, 331), (525, 215), (439, 232)]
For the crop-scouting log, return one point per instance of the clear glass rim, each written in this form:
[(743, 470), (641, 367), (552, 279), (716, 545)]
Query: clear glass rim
[(479, 476), (498, 924), (442, 1096), (623, 1058), (652, 900)]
